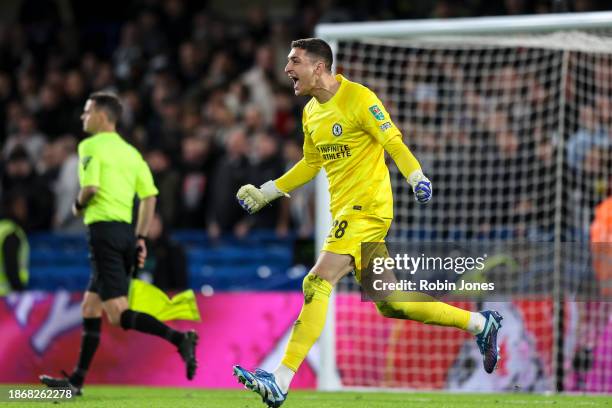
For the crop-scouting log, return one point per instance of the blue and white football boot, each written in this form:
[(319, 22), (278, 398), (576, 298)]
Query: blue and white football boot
[(487, 340), (263, 383)]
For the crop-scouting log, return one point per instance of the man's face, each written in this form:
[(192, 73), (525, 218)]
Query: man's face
[(303, 71), (91, 117)]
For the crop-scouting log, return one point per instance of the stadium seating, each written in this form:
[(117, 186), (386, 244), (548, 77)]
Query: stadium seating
[(261, 261)]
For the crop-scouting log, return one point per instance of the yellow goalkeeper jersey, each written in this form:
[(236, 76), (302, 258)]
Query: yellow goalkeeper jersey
[(346, 135)]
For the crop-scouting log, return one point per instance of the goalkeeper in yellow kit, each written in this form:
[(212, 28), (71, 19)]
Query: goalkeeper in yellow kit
[(347, 131)]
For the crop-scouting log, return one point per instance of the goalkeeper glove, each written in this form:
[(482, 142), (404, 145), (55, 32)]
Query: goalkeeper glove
[(421, 186), (253, 199)]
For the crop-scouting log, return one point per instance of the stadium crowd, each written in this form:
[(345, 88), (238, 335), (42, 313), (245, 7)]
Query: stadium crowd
[(205, 99)]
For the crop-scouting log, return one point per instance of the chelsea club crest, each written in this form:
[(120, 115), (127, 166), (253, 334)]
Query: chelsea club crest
[(337, 129)]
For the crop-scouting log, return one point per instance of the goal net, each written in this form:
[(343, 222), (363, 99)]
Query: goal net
[(515, 133)]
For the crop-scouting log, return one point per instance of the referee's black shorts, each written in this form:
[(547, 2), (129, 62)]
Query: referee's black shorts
[(112, 251)]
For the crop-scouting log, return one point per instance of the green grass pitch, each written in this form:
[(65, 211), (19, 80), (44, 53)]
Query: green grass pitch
[(117, 396)]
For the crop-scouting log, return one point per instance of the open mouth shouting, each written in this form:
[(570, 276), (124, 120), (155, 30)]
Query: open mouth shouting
[(295, 80)]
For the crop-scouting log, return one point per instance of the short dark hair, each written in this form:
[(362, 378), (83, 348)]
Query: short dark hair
[(316, 47), (110, 103)]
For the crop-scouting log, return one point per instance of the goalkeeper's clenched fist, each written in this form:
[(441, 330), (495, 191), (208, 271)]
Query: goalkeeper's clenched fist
[(253, 199)]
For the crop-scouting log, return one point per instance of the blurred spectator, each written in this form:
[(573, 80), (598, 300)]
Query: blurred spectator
[(161, 89), (244, 53), (152, 38), (220, 71), (89, 68), (40, 19), (191, 63), (167, 134), (51, 116), (61, 164), (237, 99), (14, 111), (27, 136), (74, 101), (133, 110), (589, 134), (233, 170), (19, 174), (104, 79), (197, 161), (603, 107), (166, 260), (190, 120), (258, 25), (168, 183), (261, 81), (218, 115), (269, 165), (12, 45), (302, 203), (253, 119), (128, 56), (28, 91), (592, 185), (13, 243), (6, 93), (285, 122), (175, 20)]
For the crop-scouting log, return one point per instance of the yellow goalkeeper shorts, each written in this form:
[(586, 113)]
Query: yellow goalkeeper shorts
[(350, 231)]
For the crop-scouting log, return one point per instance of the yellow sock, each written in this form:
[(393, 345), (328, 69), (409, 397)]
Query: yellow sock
[(310, 322), (425, 309)]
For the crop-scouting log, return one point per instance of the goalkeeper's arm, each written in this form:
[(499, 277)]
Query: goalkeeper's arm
[(410, 168), (253, 199)]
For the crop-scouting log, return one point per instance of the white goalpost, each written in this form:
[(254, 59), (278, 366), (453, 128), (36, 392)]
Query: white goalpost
[(511, 118)]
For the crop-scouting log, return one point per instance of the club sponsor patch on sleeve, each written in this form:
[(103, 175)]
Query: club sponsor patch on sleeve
[(385, 126)]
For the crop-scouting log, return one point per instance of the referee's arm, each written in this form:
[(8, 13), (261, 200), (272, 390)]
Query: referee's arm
[(85, 195), (89, 176), (146, 210), (147, 193)]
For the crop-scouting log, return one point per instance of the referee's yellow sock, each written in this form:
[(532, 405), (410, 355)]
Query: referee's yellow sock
[(425, 309), (310, 322)]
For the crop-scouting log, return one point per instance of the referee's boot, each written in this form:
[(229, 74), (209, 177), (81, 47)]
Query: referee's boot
[(63, 383), (187, 351)]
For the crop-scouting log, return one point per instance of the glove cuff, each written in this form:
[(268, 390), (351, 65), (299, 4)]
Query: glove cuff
[(416, 176), (271, 192)]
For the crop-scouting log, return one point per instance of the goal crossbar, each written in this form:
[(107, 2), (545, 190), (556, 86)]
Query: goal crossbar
[(466, 26)]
